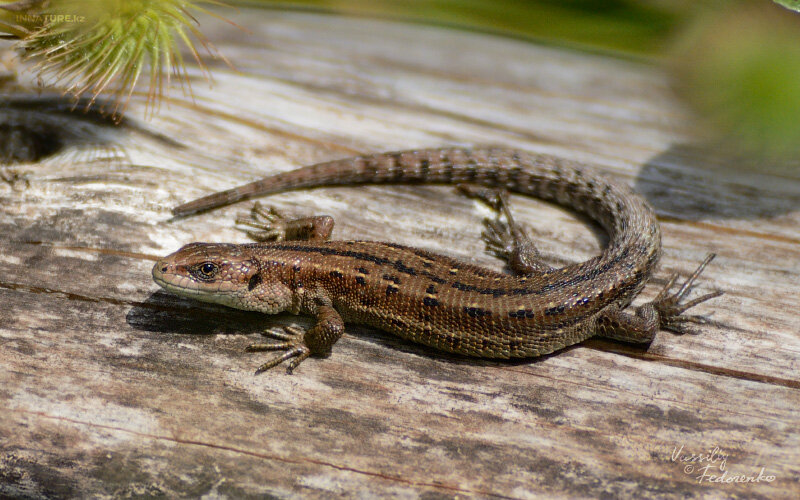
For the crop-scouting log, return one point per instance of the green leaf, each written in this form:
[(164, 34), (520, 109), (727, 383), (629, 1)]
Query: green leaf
[(789, 4)]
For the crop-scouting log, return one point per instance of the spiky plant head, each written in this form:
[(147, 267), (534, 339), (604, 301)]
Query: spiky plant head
[(96, 46)]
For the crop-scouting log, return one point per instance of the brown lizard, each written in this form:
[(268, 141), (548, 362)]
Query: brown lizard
[(434, 299)]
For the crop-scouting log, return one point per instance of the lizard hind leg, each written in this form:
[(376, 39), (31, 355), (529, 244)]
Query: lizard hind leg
[(665, 311), (670, 308), (268, 224), (507, 240)]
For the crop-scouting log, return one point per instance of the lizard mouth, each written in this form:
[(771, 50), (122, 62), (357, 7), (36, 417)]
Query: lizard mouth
[(172, 282)]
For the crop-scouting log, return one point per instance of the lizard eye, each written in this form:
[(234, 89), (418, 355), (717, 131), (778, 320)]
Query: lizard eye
[(206, 270)]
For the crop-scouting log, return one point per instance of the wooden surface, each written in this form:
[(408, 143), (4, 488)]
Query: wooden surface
[(110, 387)]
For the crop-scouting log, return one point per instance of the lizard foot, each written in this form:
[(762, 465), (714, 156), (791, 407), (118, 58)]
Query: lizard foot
[(498, 239), (670, 308), (497, 235), (665, 311), (507, 240), (293, 345), (271, 225)]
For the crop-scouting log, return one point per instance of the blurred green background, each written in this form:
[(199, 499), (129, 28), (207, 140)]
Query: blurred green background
[(735, 62), (632, 26)]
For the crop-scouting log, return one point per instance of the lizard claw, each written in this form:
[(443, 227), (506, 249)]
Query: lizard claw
[(670, 308), (269, 223), (498, 239), (293, 345), (496, 235)]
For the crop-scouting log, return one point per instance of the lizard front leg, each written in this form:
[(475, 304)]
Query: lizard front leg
[(299, 344)]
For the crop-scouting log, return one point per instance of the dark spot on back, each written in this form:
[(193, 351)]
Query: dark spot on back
[(476, 312), (550, 311), (433, 277), (398, 264), (430, 301), (392, 278)]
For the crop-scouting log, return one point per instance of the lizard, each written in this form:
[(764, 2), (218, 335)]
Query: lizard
[(434, 299)]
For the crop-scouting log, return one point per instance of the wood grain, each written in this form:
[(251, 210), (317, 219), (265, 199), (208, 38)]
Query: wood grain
[(110, 387)]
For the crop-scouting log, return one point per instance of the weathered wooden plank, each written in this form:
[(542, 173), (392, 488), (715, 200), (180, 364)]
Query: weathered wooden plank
[(111, 387)]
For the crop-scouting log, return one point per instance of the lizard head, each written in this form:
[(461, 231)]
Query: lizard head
[(223, 274)]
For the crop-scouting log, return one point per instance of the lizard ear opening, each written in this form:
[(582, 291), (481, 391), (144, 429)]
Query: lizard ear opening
[(254, 281)]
